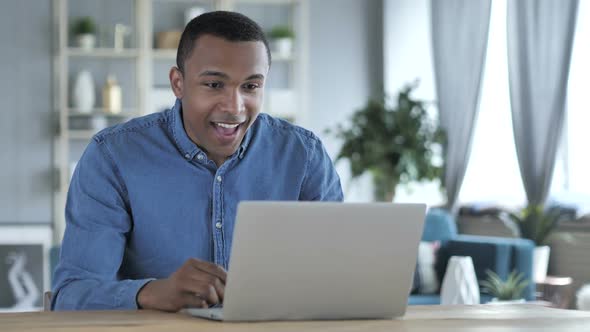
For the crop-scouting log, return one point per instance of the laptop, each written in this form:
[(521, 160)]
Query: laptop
[(320, 261)]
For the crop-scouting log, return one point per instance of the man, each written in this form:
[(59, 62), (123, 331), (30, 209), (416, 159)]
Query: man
[(152, 204)]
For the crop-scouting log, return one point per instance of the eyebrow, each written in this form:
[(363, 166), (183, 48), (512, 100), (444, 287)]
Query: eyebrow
[(226, 76)]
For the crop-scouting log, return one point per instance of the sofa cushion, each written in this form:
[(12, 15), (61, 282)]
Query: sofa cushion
[(439, 225), (426, 280)]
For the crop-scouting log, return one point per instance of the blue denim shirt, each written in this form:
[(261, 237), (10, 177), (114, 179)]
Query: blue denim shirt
[(144, 198)]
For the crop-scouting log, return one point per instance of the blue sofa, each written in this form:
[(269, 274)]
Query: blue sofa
[(501, 255)]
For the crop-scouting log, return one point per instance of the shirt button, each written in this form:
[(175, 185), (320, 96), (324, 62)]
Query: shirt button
[(219, 178), (187, 156), (218, 225), (200, 157)]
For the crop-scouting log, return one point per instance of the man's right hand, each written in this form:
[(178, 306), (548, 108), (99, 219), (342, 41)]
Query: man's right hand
[(196, 284)]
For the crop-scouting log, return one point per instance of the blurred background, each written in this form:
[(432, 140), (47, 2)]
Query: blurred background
[(464, 69)]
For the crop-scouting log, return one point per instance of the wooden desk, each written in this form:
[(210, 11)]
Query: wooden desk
[(497, 318)]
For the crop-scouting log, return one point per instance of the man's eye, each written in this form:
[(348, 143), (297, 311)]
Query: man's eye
[(251, 86), (214, 85)]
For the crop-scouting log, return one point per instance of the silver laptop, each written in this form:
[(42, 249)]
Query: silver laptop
[(318, 260)]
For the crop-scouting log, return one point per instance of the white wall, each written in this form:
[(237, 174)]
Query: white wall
[(26, 103), (407, 46), (407, 51), (346, 67)]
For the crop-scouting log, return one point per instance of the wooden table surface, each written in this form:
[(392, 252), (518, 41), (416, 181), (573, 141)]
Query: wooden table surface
[(496, 318)]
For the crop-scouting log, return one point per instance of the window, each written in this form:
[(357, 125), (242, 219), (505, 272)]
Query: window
[(492, 174), (571, 182)]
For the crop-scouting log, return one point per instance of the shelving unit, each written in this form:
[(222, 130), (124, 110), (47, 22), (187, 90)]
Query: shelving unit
[(102, 53), (144, 68)]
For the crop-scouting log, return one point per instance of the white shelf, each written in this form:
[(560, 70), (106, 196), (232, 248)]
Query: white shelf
[(268, 2), (103, 52), (145, 60), (197, 2), (125, 113), (165, 54), (81, 134)]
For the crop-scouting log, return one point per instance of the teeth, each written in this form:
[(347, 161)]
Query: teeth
[(227, 125)]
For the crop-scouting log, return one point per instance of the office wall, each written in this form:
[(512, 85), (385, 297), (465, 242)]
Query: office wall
[(25, 112), (346, 68), (407, 46)]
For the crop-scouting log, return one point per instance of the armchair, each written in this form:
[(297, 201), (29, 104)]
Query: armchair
[(501, 255)]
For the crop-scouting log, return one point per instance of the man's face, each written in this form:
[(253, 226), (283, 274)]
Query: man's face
[(221, 90)]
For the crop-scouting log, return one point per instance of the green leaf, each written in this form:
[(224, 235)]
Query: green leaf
[(395, 141), (511, 289)]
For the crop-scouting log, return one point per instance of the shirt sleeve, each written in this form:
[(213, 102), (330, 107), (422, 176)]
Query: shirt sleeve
[(97, 222), (321, 182)]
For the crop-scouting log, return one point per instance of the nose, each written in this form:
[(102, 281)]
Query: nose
[(234, 102)]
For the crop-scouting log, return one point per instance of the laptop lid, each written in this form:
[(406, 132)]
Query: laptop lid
[(320, 260)]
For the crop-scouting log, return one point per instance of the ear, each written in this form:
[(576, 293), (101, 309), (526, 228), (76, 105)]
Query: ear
[(176, 82)]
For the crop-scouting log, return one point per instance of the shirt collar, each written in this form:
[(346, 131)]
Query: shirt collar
[(186, 146), (183, 142)]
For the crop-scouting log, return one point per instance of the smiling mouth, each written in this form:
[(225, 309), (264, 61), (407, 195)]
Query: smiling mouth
[(227, 131), (227, 125)]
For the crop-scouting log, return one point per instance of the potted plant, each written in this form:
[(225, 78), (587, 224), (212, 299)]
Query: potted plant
[(397, 145), (84, 30), (535, 222), (282, 39), (510, 290)]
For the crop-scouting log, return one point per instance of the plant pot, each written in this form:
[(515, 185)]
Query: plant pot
[(540, 263), (283, 46), (495, 301), (86, 41), (384, 187)]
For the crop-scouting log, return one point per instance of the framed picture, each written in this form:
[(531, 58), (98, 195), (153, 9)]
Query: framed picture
[(24, 267)]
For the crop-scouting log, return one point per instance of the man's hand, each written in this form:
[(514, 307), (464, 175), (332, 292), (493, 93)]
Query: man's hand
[(195, 284)]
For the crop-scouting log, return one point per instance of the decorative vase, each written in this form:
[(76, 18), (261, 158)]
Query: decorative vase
[(540, 263), (111, 96), (283, 46), (120, 33), (459, 284), (86, 41), (83, 92)]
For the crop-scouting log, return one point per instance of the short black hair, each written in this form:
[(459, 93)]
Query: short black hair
[(231, 26)]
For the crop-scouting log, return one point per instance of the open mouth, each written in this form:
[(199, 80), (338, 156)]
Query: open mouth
[(225, 131)]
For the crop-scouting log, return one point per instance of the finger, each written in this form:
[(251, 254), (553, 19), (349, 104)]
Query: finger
[(220, 289), (202, 290), (210, 268), (194, 301), (210, 280), (210, 295)]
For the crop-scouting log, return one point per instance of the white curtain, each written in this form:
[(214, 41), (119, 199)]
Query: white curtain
[(459, 40), (540, 35)]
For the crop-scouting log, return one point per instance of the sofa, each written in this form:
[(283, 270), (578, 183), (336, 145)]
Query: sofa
[(501, 255)]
